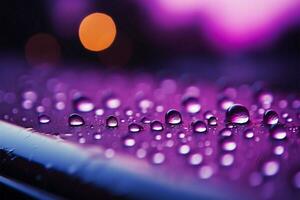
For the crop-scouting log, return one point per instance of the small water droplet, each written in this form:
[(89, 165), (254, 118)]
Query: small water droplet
[(199, 126), (99, 112), (237, 114), (156, 126), (191, 105), (135, 128), (278, 132), (278, 150), (173, 117), (270, 168), (248, 133), (75, 120), (83, 104), (145, 105), (227, 160), (195, 159), (225, 132), (228, 145), (205, 172), (270, 117), (212, 121), (145, 120), (184, 149), (97, 136), (208, 114), (44, 119), (112, 122), (158, 158), (129, 142), (113, 103)]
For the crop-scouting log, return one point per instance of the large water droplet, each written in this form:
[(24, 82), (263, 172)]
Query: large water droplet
[(83, 104), (278, 132), (134, 128), (112, 122), (237, 114), (173, 117), (75, 120), (270, 168), (191, 105), (199, 126), (44, 119), (270, 117), (156, 126)]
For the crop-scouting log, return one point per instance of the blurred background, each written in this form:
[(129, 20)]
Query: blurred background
[(236, 40)]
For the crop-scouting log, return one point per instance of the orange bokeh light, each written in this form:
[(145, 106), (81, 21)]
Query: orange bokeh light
[(97, 31)]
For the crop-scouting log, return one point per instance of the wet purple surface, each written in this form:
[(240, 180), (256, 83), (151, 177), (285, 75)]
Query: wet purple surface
[(253, 155)]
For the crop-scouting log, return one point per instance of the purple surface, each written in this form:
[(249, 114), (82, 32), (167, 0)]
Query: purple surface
[(253, 166)]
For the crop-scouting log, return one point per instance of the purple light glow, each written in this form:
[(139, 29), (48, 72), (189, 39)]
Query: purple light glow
[(229, 24)]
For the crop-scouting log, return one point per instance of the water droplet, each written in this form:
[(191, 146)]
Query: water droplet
[(278, 132), (195, 159), (135, 128), (191, 105), (227, 160), (184, 149), (83, 104), (212, 121), (44, 119), (141, 153), (265, 98), (109, 153), (270, 168), (75, 120), (156, 126), (97, 136), (205, 172), (81, 140), (113, 103), (173, 117), (99, 112), (237, 114), (129, 142), (30, 95), (228, 145), (158, 158), (271, 117), (145, 120), (112, 122), (278, 150), (225, 132), (248, 133), (145, 105), (199, 126)]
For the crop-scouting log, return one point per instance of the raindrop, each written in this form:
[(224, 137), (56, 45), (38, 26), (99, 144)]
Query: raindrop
[(191, 105), (237, 114), (184, 149), (199, 126), (112, 122), (156, 126), (44, 119), (270, 117), (75, 120), (173, 117), (83, 104)]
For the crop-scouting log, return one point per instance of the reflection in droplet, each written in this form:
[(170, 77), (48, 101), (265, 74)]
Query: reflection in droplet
[(173, 117), (237, 114)]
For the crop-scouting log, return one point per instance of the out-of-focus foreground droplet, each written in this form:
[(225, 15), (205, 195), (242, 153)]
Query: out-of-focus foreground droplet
[(97, 31)]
